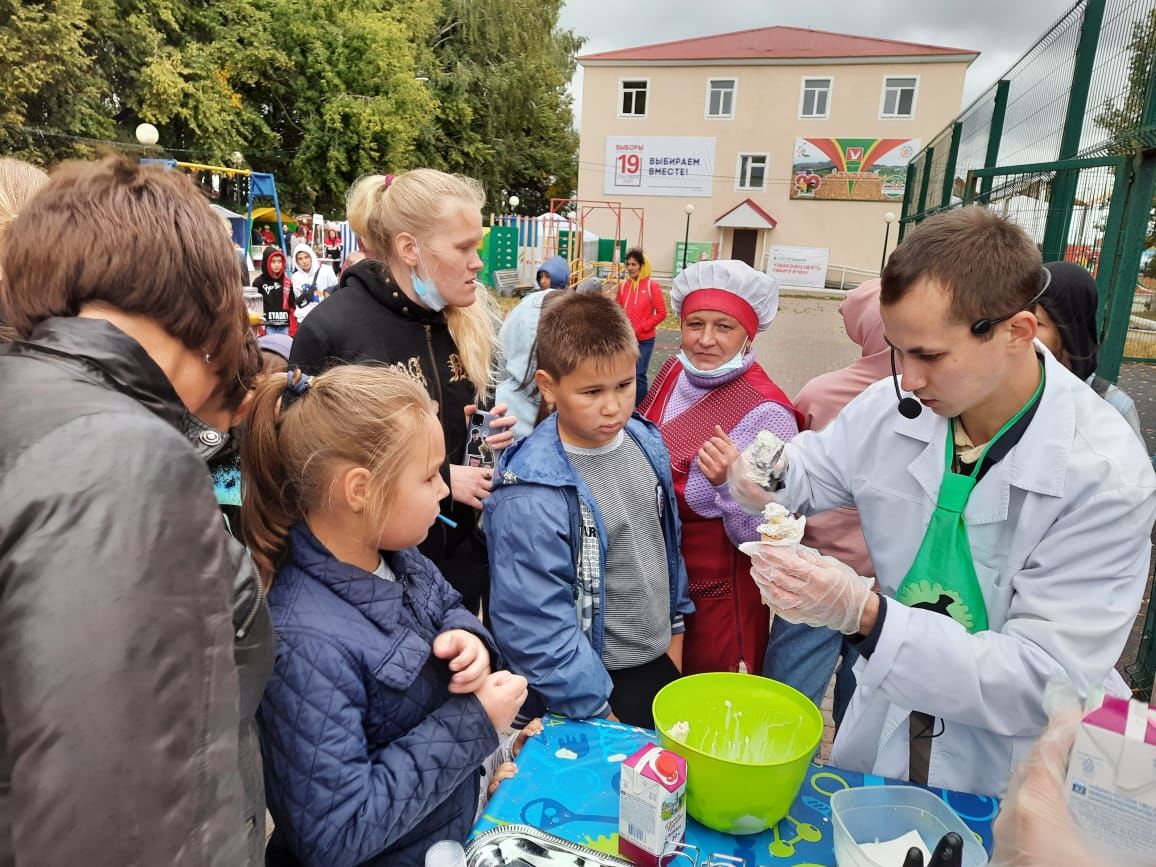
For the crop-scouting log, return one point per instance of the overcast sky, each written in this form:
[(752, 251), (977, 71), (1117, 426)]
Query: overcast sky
[(1000, 30)]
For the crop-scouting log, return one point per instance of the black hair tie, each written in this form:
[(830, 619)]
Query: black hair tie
[(295, 388)]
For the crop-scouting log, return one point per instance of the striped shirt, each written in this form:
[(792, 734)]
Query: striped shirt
[(636, 616)]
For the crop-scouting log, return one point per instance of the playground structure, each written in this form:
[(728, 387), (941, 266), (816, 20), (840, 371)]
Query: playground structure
[(260, 184), (515, 246)]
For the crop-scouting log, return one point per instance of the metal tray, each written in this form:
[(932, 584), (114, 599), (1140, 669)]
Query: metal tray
[(524, 846)]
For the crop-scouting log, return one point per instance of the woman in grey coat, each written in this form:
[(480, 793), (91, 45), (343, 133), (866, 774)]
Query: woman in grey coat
[(121, 596)]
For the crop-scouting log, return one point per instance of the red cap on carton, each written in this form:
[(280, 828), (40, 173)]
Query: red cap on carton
[(666, 765)]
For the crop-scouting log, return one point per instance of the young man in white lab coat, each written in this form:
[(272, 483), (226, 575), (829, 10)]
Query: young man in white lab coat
[(1042, 575)]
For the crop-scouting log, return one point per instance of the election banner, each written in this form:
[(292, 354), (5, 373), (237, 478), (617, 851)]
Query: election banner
[(659, 166), (800, 266), (854, 169)]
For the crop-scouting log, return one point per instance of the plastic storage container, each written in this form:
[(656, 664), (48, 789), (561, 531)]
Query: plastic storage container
[(877, 813)]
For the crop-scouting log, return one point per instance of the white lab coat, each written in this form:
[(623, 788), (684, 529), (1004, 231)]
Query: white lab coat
[(1060, 535)]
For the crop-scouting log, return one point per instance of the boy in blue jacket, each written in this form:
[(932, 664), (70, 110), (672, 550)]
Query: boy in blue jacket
[(589, 590)]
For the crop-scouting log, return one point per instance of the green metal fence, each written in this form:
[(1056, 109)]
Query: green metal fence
[(1064, 144), (1032, 145)]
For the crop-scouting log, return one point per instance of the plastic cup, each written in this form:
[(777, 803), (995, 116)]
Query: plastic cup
[(447, 853)]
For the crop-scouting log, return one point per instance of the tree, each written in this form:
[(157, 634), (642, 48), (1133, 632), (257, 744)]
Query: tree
[(317, 94), (47, 79), (346, 99), (1122, 119), (502, 69)]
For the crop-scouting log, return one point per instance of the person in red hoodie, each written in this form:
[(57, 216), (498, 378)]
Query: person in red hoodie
[(641, 297), (277, 294)]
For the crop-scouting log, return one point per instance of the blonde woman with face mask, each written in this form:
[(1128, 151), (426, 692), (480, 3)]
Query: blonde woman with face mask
[(415, 305)]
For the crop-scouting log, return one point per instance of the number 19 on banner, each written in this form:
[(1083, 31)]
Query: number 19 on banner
[(628, 170)]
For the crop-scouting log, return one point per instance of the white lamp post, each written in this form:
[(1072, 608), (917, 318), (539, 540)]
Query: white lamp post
[(686, 236), (888, 219), (147, 134)]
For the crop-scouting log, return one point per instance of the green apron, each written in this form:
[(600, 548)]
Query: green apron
[(943, 577)]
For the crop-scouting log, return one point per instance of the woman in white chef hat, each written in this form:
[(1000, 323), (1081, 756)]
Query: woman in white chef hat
[(714, 386)]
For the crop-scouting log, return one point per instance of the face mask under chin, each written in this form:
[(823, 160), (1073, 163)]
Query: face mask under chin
[(723, 369)]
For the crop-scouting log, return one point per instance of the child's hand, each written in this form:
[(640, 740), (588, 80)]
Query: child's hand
[(501, 694), (505, 771), (468, 656), (716, 456), (533, 727)]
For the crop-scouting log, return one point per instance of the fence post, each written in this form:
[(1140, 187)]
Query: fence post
[(952, 158), (908, 192), (1139, 173), (1063, 193), (928, 158), (994, 137)]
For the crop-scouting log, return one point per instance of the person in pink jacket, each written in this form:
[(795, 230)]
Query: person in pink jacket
[(837, 532), (641, 297)]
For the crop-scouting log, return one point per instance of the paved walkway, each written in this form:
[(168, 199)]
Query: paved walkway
[(807, 339)]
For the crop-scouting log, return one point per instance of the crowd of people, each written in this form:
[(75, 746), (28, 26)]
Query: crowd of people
[(242, 573)]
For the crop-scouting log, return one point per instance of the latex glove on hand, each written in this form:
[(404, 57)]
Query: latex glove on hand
[(802, 586), (1035, 827), (756, 473)]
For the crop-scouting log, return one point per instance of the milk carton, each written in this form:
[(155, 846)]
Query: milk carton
[(1111, 784), (651, 804)]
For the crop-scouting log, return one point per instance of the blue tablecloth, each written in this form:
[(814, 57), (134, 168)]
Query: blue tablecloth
[(577, 799)]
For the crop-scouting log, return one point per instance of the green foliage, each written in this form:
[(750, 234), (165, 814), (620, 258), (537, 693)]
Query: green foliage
[(503, 69), (319, 94), (1124, 118)]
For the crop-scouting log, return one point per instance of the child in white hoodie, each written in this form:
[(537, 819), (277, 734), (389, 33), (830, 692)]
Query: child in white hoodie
[(312, 280)]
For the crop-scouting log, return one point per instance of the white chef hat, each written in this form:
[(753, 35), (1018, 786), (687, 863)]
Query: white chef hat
[(731, 287)]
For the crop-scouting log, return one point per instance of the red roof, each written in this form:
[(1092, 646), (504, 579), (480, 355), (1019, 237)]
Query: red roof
[(776, 43), (750, 203)]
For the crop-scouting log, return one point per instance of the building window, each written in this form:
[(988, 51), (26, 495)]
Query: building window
[(816, 97), (752, 172), (720, 97), (633, 101), (899, 97)]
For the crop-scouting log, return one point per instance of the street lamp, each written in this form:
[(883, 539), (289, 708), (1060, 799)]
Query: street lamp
[(686, 236), (888, 219), (147, 134), (514, 202)]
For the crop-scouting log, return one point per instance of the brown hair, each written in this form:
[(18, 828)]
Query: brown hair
[(580, 326), (986, 264), (137, 238), (379, 207), (352, 414)]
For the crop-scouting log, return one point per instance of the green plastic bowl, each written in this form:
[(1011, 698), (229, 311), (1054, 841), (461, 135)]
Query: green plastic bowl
[(747, 743)]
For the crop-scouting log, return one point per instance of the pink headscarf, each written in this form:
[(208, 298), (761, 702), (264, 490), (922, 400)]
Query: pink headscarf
[(821, 399), (837, 532)]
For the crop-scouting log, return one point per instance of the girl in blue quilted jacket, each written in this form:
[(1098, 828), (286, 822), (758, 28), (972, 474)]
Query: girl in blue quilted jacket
[(382, 704)]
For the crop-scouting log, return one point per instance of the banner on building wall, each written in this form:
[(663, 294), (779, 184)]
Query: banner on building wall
[(799, 266), (658, 166), (696, 251), (852, 169)]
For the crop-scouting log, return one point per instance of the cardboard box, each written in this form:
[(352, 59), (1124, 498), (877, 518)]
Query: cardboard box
[(651, 804), (1111, 785)]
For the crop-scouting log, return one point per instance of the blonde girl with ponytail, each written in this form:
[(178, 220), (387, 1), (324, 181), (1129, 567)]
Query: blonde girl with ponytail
[(382, 703), (415, 305)]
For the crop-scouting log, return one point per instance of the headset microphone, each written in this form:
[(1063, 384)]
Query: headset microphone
[(909, 407)]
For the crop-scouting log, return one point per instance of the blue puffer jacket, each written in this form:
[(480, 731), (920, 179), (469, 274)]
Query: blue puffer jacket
[(547, 547), (368, 757)]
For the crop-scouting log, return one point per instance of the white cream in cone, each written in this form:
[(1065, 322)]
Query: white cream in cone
[(780, 527)]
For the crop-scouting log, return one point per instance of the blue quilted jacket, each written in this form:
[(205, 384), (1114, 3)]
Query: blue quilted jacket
[(368, 757)]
